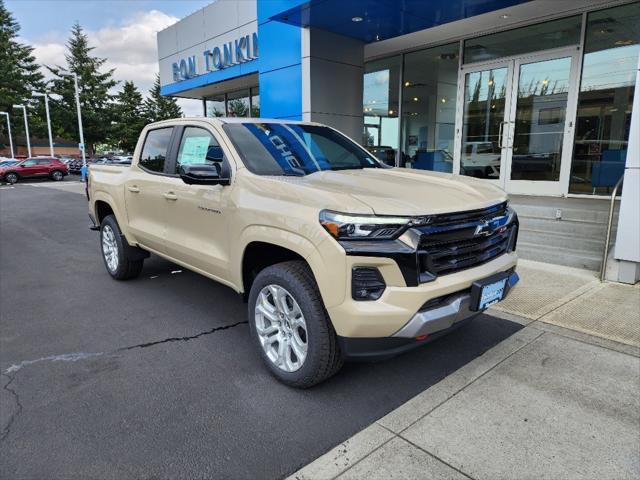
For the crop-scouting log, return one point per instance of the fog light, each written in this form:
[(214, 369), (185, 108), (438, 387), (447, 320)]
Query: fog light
[(366, 283)]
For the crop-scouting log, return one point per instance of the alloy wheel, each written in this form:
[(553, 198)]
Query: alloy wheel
[(110, 248), (281, 328)]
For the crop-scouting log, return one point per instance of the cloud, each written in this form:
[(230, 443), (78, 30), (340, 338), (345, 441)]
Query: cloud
[(130, 48)]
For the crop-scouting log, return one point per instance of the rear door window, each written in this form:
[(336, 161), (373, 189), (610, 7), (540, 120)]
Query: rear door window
[(154, 151)]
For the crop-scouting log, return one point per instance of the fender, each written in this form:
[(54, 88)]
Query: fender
[(120, 214), (328, 269)]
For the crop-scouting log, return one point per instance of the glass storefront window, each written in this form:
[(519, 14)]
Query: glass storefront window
[(380, 108), (215, 106), (482, 122), (255, 102), (605, 101), (543, 36), (238, 103), (429, 108)]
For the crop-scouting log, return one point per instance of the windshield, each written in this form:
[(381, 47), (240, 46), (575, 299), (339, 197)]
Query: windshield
[(295, 149)]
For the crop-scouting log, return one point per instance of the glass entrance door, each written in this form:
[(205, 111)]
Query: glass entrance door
[(485, 105), (514, 122)]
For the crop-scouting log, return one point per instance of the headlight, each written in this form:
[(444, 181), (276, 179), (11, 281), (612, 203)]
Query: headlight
[(344, 226)]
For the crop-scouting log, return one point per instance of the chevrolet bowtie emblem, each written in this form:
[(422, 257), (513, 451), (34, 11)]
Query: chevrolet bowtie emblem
[(483, 229)]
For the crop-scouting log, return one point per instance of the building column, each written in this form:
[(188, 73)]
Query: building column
[(627, 248), (332, 81), (309, 74)]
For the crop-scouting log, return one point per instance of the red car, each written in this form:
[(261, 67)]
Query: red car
[(34, 167)]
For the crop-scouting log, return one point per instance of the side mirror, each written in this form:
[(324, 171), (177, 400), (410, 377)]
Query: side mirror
[(202, 175)]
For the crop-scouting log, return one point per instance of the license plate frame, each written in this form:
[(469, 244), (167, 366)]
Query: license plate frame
[(489, 291)]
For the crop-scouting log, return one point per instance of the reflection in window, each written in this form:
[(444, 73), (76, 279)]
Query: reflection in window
[(255, 102), (539, 125), (238, 104), (215, 106), (429, 108), (380, 108), (543, 36), (605, 100), (482, 122), (234, 104)]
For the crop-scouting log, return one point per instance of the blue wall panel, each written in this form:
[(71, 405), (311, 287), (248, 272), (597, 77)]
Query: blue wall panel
[(280, 62), (282, 95)]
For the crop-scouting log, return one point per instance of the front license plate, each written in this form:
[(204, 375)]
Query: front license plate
[(491, 293)]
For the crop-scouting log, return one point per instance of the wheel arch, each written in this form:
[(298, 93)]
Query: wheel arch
[(272, 245)]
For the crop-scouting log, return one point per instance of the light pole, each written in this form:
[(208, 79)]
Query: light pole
[(9, 130), (46, 108), (26, 126), (64, 73)]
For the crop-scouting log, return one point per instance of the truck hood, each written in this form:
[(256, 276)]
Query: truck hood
[(401, 191)]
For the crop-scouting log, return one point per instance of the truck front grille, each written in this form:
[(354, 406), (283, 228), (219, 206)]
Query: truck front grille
[(452, 242)]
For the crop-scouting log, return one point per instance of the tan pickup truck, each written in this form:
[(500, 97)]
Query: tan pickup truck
[(338, 255)]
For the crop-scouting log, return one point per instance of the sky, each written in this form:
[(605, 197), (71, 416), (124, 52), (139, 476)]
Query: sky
[(122, 31)]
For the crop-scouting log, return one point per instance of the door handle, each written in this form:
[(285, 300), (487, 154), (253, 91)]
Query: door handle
[(500, 134), (170, 196), (133, 189)]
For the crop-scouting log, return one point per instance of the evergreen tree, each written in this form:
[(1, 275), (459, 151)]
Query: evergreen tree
[(128, 118), (158, 107), (94, 86), (19, 73)]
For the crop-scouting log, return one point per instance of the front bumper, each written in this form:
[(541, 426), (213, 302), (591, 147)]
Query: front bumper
[(436, 318)]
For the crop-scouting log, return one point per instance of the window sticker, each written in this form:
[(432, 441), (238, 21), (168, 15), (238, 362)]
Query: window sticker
[(194, 150)]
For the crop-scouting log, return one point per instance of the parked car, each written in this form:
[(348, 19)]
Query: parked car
[(8, 163), (338, 255), (34, 167)]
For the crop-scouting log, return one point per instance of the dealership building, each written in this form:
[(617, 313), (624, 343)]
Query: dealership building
[(539, 97)]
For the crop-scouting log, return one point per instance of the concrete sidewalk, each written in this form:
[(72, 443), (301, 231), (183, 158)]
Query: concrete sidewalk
[(548, 402)]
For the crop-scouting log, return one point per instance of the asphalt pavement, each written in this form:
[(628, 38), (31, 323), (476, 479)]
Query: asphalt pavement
[(156, 377)]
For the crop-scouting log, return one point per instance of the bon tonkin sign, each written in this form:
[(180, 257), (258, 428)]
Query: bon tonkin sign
[(241, 50)]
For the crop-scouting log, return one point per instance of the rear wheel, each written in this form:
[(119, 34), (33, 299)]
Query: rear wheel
[(290, 326), (11, 178), (115, 253), (57, 175)]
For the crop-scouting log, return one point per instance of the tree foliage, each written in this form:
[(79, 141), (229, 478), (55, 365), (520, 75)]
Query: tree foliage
[(128, 114), (94, 85), (157, 107), (19, 73)]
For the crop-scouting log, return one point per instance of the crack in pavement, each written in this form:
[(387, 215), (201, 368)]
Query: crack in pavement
[(74, 357), (7, 429), (181, 339)]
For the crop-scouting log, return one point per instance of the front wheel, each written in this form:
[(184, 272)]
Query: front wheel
[(114, 252), (290, 326)]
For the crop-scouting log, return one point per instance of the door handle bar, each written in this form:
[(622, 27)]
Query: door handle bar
[(170, 196), (133, 189)]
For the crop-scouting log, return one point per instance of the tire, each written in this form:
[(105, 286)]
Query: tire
[(115, 251), (322, 357), (57, 176), (11, 178)]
